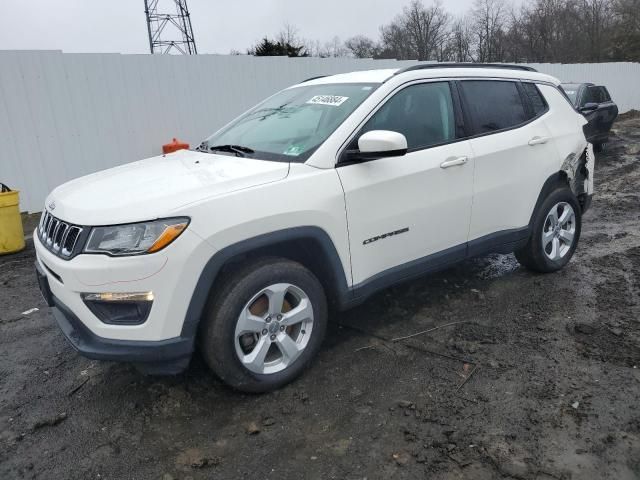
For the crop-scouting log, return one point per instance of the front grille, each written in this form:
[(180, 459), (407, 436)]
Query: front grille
[(58, 236)]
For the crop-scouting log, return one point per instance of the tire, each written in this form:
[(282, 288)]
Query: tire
[(546, 255), (252, 292)]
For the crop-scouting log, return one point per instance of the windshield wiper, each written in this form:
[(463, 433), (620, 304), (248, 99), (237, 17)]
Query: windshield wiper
[(203, 147), (239, 150)]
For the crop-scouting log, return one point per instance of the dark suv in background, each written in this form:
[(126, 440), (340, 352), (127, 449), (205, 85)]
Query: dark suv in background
[(595, 103)]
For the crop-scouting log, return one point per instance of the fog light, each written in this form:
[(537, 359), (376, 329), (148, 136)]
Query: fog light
[(119, 297), (115, 308)]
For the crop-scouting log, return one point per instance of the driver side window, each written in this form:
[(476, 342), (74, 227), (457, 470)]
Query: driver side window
[(423, 113)]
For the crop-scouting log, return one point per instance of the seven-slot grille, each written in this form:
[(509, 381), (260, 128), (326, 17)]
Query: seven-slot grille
[(59, 237)]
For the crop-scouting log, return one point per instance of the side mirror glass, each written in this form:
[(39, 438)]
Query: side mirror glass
[(589, 107), (380, 144)]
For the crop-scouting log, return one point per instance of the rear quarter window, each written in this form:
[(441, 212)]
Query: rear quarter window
[(536, 100), (493, 105)]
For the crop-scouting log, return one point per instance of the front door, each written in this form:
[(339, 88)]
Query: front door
[(402, 209)]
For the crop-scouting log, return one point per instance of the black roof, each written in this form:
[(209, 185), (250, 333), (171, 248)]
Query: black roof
[(505, 66)]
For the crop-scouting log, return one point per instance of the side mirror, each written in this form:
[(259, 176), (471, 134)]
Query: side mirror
[(382, 143), (589, 107), (378, 144)]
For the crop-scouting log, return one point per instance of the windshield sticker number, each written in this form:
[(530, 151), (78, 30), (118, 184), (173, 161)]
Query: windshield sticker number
[(332, 100)]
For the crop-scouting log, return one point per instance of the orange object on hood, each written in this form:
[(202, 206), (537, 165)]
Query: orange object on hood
[(174, 146)]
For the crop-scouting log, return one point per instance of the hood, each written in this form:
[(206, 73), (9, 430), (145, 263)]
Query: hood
[(157, 187)]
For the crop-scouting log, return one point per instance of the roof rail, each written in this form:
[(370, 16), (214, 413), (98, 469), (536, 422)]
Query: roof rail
[(506, 66), (313, 78)]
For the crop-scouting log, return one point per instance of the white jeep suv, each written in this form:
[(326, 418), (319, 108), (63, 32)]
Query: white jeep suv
[(321, 195)]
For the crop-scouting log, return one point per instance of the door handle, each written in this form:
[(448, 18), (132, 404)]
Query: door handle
[(538, 141), (453, 161)]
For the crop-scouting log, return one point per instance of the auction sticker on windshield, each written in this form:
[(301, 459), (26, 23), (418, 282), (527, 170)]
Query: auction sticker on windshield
[(333, 100)]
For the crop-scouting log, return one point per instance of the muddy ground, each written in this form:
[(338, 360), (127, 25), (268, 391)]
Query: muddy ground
[(542, 381)]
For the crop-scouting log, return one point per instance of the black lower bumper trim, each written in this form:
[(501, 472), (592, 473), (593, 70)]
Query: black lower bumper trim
[(158, 357)]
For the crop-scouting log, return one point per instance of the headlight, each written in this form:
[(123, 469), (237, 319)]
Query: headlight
[(135, 238)]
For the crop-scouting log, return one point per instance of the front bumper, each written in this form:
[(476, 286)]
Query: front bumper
[(170, 274), (166, 357)]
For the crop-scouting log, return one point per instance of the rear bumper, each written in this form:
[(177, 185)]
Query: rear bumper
[(166, 357)]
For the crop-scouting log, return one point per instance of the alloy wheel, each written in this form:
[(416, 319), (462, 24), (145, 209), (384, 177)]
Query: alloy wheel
[(559, 231), (273, 328)]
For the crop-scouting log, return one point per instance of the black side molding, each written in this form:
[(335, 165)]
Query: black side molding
[(505, 241), (405, 272), (500, 242), (347, 297)]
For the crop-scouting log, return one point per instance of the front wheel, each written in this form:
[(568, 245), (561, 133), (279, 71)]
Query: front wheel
[(555, 233), (264, 325)]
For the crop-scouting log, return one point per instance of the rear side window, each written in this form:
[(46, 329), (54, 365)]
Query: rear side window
[(493, 105), (423, 113), (536, 100)]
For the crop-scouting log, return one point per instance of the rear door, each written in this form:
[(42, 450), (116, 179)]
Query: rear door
[(405, 208), (513, 152)]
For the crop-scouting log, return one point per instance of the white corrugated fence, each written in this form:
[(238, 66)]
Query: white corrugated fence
[(63, 115)]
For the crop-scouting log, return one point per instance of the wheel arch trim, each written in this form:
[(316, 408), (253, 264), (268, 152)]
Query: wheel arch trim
[(559, 177), (214, 265)]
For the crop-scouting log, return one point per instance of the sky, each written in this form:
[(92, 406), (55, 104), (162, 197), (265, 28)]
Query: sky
[(119, 26)]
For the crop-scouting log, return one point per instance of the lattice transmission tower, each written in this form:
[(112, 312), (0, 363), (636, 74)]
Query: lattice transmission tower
[(169, 26)]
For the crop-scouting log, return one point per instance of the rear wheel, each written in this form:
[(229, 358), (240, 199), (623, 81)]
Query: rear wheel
[(555, 234), (264, 325)]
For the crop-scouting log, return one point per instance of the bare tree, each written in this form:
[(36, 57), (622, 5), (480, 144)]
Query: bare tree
[(425, 28), (561, 31), (418, 33), (492, 31), (288, 34), (626, 35), (334, 48), (460, 41), (394, 43), (489, 29), (313, 47), (597, 21), (362, 47)]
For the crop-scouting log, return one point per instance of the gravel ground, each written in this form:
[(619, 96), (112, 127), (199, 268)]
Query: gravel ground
[(530, 377)]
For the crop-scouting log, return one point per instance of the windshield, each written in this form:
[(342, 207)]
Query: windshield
[(292, 124)]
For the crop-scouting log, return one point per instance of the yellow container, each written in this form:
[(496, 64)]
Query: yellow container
[(11, 233)]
